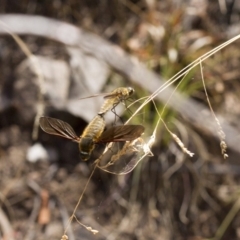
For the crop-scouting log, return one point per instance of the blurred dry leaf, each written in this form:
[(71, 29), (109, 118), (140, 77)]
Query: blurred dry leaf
[(88, 77), (44, 213), (89, 73), (194, 40), (55, 74)]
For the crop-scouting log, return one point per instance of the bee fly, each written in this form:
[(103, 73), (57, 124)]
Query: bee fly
[(114, 98), (93, 134)]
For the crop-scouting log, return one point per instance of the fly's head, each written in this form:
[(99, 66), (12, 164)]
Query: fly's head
[(130, 90), (86, 146)]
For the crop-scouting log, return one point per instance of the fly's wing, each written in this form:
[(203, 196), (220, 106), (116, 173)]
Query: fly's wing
[(122, 92), (95, 95), (57, 127), (111, 95), (104, 95), (121, 133)]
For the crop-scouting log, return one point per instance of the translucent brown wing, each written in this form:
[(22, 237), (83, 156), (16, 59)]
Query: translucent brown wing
[(57, 127), (121, 133)]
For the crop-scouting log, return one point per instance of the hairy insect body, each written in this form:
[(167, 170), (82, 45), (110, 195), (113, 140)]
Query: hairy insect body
[(114, 98), (90, 136)]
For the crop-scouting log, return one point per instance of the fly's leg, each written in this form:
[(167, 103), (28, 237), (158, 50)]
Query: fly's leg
[(126, 107), (131, 100), (114, 111), (116, 115)]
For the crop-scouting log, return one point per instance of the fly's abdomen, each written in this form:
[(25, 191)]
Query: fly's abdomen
[(90, 135), (95, 128), (108, 104)]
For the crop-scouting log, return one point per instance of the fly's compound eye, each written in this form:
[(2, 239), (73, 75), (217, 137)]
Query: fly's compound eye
[(84, 156), (130, 90)]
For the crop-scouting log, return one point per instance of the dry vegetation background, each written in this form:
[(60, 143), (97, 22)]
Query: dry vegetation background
[(168, 196)]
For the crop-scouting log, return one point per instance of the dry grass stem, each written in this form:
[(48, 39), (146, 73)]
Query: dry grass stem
[(79, 200), (220, 132), (181, 145), (227, 220), (90, 229), (174, 136)]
